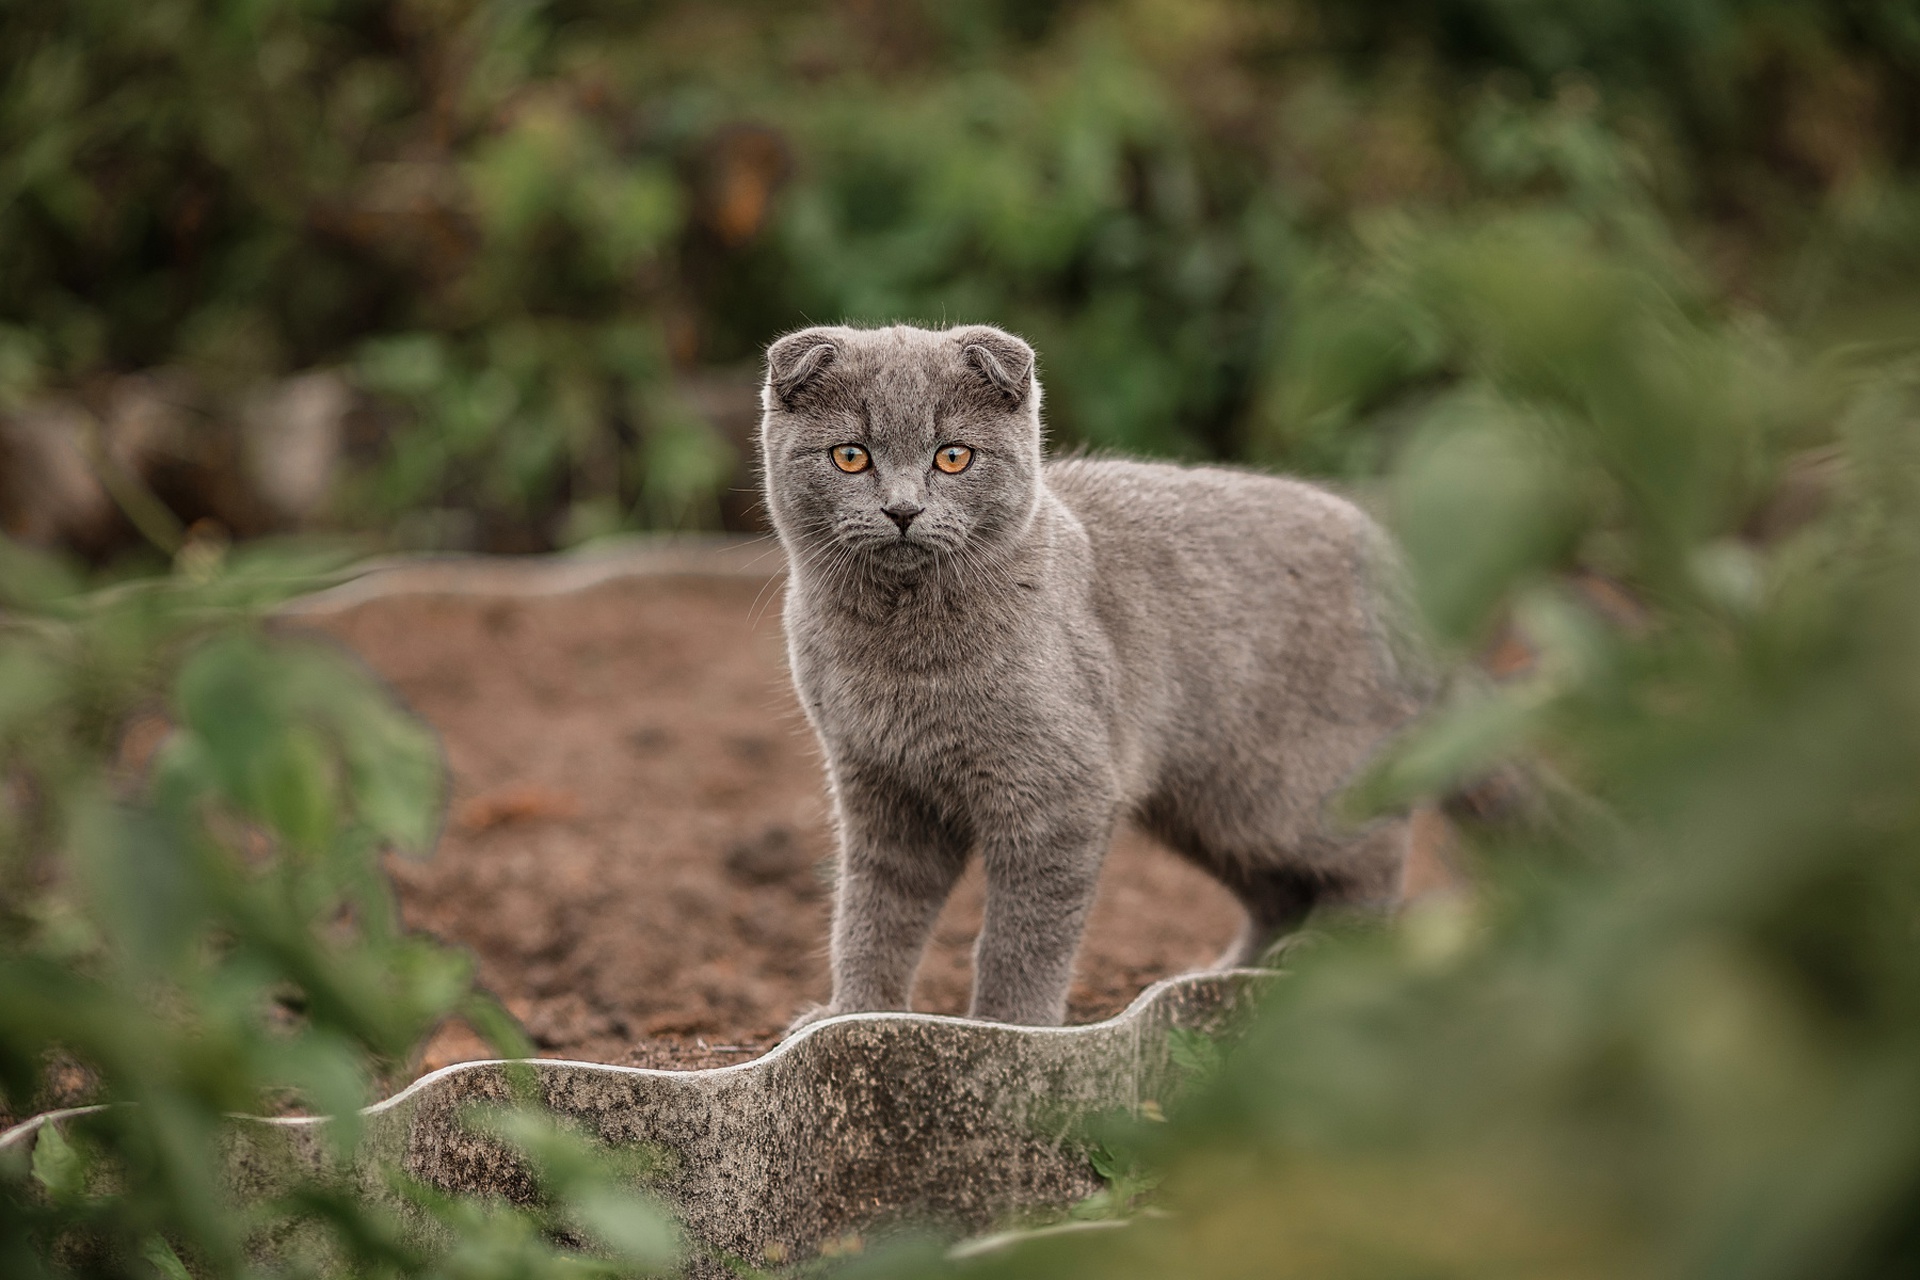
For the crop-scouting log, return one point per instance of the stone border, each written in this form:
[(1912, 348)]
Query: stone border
[(639, 555), (854, 1124)]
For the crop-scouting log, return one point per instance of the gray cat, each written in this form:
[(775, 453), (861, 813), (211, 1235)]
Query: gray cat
[(1007, 656)]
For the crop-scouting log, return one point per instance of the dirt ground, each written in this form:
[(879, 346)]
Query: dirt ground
[(637, 853)]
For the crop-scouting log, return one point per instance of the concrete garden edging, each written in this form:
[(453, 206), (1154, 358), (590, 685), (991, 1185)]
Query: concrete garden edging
[(855, 1123), (559, 573)]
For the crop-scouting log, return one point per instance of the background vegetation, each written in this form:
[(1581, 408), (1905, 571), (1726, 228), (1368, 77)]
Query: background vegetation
[(546, 242), (193, 919), (1612, 306)]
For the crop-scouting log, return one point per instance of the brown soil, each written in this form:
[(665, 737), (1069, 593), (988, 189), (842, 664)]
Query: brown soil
[(637, 851), (638, 854)]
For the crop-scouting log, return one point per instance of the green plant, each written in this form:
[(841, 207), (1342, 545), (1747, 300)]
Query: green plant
[(1610, 305), (525, 228), (1672, 1030), (192, 813)]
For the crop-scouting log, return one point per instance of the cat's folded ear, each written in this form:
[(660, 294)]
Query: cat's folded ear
[(1004, 361), (796, 360)]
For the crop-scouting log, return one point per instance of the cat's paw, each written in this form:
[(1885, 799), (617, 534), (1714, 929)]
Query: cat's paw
[(812, 1014)]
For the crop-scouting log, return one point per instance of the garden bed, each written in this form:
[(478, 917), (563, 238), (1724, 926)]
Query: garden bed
[(638, 852), (637, 855)]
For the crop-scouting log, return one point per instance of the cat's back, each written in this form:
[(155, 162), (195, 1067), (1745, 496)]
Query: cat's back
[(1232, 576), (1215, 534), (1255, 621)]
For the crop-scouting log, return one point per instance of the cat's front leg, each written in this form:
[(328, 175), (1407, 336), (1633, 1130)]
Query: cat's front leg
[(1038, 895), (897, 866)]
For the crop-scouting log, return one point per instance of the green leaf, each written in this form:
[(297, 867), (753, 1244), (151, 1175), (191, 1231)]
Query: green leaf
[(278, 721), (165, 1260), (140, 881), (228, 695), (395, 773), (1482, 503), (293, 788), (410, 364), (630, 1226), (57, 1164), (31, 683), (1106, 1164), (1455, 743), (29, 577), (1194, 1052), (685, 463)]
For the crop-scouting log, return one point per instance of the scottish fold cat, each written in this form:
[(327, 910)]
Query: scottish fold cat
[(1005, 657)]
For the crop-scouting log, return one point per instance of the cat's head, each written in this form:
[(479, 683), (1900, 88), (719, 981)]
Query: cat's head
[(900, 446)]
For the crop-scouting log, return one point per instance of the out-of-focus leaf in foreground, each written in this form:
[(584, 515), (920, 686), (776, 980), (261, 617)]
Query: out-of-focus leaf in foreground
[(194, 923), (1671, 1029)]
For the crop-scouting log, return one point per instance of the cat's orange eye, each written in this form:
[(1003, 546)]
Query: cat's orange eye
[(850, 458), (953, 458)]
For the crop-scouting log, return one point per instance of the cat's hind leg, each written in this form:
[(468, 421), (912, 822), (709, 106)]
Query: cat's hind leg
[(1277, 901), (1361, 872)]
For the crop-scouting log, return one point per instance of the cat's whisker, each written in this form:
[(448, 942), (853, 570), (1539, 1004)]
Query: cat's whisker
[(826, 561), (755, 611)]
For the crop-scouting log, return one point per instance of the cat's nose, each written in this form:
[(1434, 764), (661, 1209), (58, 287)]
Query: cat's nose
[(902, 513)]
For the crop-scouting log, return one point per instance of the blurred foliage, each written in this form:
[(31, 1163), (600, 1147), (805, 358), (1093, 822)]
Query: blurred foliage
[(193, 915), (1612, 305), (1675, 1029), (528, 228)]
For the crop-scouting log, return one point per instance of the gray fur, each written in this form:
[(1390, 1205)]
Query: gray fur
[(1047, 648)]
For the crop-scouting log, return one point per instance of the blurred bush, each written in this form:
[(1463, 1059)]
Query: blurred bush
[(194, 921), (545, 242), (1672, 1032)]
